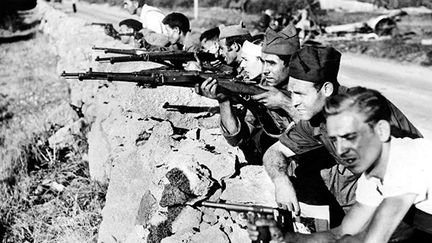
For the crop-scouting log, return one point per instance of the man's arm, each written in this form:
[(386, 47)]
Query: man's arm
[(228, 118), (354, 222), (388, 216), (276, 161), (276, 99)]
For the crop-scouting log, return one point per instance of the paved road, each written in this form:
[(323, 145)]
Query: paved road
[(408, 86)]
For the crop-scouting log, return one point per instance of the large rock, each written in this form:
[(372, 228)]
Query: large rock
[(212, 234), (188, 220), (252, 186), (133, 176)]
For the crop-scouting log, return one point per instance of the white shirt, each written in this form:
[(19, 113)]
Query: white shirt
[(409, 170), (151, 18)]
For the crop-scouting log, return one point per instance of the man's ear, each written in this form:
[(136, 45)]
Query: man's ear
[(236, 47), (383, 129), (327, 89)]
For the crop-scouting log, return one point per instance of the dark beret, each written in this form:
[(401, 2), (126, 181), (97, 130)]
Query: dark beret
[(132, 23), (284, 42), (315, 64)]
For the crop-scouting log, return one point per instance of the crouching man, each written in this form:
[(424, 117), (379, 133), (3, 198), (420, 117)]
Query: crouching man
[(395, 182)]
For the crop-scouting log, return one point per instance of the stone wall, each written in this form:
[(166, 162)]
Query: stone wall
[(158, 163)]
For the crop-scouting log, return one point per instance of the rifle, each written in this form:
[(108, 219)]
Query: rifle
[(102, 24), (120, 51), (175, 57), (282, 217), (237, 90), (109, 30)]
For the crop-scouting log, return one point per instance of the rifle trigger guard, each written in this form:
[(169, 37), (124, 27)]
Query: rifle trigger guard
[(246, 97), (146, 57)]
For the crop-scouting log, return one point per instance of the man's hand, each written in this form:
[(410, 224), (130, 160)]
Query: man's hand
[(275, 233), (192, 66), (110, 31), (285, 194), (272, 99), (209, 89)]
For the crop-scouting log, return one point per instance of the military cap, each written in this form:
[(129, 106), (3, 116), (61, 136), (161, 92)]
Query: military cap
[(284, 42), (132, 23), (315, 64), (232, 30), (251, 49)]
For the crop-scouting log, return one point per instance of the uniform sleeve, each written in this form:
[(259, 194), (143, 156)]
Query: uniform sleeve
[(300, 138), (240, 136), (154, 38), (367, 193)]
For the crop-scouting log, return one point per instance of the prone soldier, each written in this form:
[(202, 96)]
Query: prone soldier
[(394, 182), (253, 139), (313, 78)]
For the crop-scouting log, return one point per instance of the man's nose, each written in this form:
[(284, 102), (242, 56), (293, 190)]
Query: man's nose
[(295, 99), (341, 147)]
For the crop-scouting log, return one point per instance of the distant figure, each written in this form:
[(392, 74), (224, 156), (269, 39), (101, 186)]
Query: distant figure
[(262, 24), (240, 5), (151, 17), (74, 8)]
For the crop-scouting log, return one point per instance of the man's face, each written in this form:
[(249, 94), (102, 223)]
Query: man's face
[(275, 71), (126, 39), (305, 98), (229, 52), (356, 142), (210, 46), (130, 6), (251, 65), (173, 34)]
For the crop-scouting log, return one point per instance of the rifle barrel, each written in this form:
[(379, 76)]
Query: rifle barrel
[(238, 207)]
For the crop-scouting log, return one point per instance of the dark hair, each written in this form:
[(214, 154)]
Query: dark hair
[(371, 103), (319, 85), (178, 20), (239, 39), (264, 22), (210, 34), (140, 3), (132, 23), (258, 39)]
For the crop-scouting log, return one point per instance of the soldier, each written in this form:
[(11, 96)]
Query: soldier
[(153, 30), (150, 17), (209, 40), (129, 32), (395, 172), (247, 134), (313, 78), (231, 40), (251, 62), (179, 33)]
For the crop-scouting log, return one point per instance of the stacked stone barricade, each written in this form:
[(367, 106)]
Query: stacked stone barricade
[(157, 162)]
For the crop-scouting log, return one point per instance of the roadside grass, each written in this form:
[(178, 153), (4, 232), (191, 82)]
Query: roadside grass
[(53, 198), (46, 195)]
